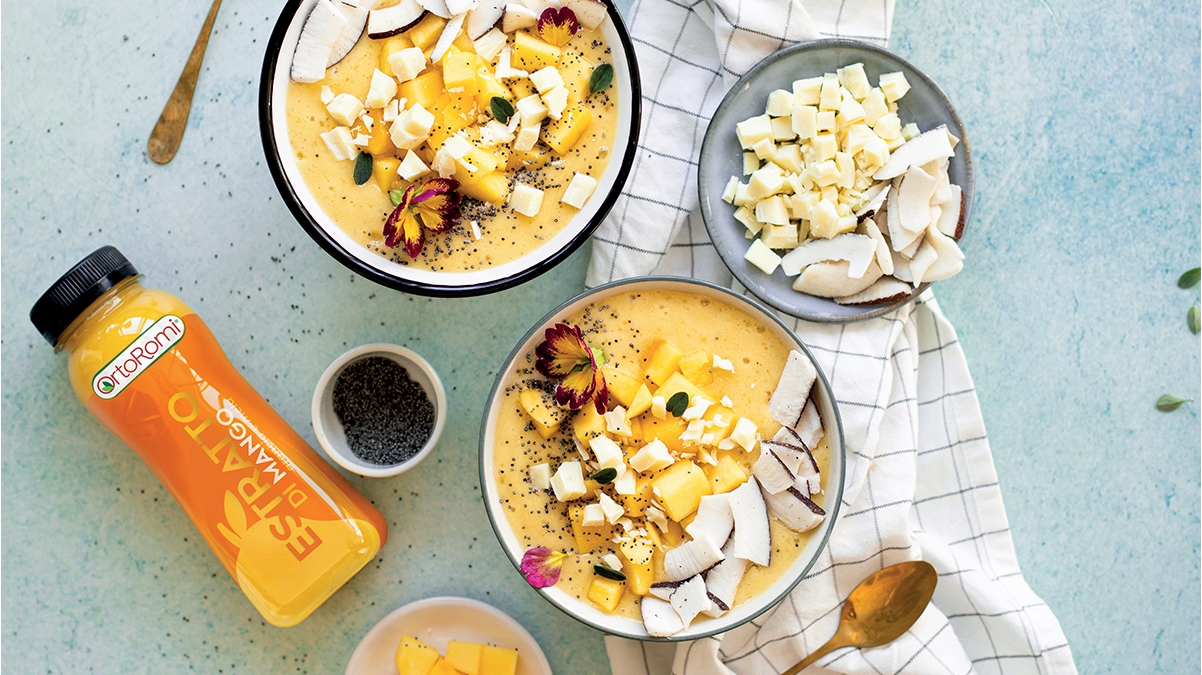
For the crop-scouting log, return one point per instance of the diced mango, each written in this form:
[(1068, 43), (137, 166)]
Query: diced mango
[(531, 54), (668, 431), (637, 503), (636, 427), (464, 656), (697, 367), (492, 188), (488, 87), (423, 89), (464, 43), (414, 657), (576, 71), (564, 133), (484, 161), (676, 383), (606, 593), (441, 667), (641, 402), (680, 489), (588, 539), (391, 46), (385, 172), (527, 159), (674, 536), (638, 563), (459, 71), (662, 362), (588, 424), (622, 385), (498, 661), (426, 32), (726, 476), (540, 407), (381, 142)]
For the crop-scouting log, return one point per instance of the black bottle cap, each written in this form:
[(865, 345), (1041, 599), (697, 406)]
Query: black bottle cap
[(76, 290)]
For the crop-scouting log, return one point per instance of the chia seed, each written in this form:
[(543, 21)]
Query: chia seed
[(386, 416)]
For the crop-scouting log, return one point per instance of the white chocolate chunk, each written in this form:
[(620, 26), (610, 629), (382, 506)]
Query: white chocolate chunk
[(762, 257), (546, 79), (780, 103), (345, 109), (652, 457), (582, 186), (526, 200), (540, 476), (744, 433), (894, 85), (340, 143), (412, 167), (594, 516), (568, 482), (407, 63)]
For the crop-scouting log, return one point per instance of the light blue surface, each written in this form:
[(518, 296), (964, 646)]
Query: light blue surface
[(1084, 123)]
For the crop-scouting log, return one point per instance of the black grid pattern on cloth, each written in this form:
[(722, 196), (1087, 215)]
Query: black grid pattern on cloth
[(920, 480)]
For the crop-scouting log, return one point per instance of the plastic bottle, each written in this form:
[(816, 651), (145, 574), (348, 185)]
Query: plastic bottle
[(286, 526)]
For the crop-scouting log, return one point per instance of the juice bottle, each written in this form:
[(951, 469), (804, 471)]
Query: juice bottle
[(285, 525)]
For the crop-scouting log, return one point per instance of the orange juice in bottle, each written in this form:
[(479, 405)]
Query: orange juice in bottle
[(286, 526)]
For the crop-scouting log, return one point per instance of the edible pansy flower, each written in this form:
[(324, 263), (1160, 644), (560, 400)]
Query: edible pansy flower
[(557, 26), (541, 566), (565, 355), (432, 205)]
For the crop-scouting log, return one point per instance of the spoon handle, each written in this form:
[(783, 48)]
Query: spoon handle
[(831, 645), (169, 130)]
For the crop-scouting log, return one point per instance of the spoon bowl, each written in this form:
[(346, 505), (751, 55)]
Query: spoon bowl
[(880, 609)]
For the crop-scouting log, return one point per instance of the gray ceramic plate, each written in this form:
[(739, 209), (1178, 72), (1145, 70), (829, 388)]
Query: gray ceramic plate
[(722, 157)]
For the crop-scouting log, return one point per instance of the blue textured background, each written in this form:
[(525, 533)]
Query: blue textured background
[(1084, 120)]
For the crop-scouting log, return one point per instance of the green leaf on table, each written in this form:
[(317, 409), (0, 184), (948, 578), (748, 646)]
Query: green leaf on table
[(362, 167), (1193, 319), (1169, 402), (601, 77), (502, 110), (1189, 278)]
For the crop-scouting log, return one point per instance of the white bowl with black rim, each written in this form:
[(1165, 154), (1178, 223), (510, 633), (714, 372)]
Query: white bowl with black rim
[(722, 157), (581, 609), (273, 127)]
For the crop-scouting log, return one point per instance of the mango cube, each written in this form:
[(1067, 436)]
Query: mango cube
[(531, 54), (459, 71), (487, 88), (606, 593), (423, 90), (638, 563), (384, 170), (492, 188), (498, 661), (540, 407), (622, 385), (662, 362), (426, 32), (678, 383), (415, 657), (588, 424), (441, 667), (667, 430), (641, 402), (697, 367), (464, 656), (564, 133), (588, 539), (484, 162), (726, 475), (391, 46), (636, 504), (680, 489)]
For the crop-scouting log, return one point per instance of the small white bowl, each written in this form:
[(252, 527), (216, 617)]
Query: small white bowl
[(329, 430)]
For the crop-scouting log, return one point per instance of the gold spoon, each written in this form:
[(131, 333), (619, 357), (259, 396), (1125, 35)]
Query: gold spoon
[(880, 609), (169, 130)]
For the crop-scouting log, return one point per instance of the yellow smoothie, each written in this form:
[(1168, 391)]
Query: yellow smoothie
[(628, 326), (501, 234)]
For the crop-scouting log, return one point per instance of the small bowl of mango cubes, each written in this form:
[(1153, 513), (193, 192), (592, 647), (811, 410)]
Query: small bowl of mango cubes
[(836, 181)]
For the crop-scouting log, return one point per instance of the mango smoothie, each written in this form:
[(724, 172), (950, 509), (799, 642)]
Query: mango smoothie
[(655, 344), (509, 117)]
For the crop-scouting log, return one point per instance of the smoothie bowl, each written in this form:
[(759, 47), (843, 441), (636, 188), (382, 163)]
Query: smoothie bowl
[(449, 148), (661, 458)]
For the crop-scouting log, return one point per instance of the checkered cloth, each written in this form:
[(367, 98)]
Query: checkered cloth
[(920, 482)]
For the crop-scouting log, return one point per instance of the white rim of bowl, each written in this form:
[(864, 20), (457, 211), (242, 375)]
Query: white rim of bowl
[(326, 382), (581, 610)]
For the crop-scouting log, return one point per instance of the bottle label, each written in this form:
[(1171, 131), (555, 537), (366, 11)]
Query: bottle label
[(138, 356)]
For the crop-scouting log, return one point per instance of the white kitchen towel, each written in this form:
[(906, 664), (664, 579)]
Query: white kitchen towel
[(921, 482)]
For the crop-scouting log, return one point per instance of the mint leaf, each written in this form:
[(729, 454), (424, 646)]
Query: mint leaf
[(362, 168), (601, 77), (1169, 402)]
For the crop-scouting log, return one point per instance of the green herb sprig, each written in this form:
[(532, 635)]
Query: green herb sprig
[(678, 403), (362, 168), (601, 78), (1170, 402), (502, 109), (1189, 278), (605, 476)]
